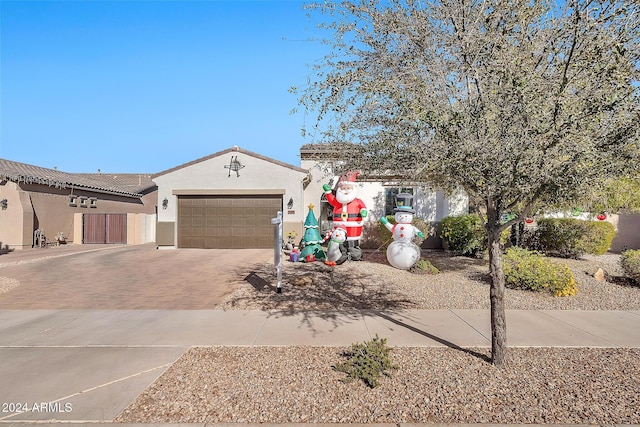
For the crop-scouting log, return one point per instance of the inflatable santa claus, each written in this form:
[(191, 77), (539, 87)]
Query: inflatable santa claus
[(348, 211)]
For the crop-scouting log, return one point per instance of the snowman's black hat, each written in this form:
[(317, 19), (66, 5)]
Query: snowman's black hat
[(404, 203)]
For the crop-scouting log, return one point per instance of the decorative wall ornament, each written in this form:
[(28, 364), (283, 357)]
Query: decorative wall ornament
[(234, 165)]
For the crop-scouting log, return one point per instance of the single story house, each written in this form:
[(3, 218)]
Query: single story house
[(72, 207), (226, 201)]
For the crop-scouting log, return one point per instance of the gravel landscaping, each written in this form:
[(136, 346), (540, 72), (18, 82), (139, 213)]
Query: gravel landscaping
[(462, 283), (431, 385)]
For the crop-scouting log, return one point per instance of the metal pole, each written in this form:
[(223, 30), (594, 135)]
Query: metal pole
[(277, 249)]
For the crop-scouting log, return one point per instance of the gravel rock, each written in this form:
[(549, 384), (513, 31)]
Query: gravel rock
[(6, 284), (463, 283), (432, 385)]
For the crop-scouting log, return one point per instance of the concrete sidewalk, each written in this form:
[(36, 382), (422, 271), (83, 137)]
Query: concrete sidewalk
[(88, 365)]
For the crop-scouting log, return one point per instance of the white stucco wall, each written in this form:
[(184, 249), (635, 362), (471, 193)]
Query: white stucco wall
[(430, 205), (210, 177)]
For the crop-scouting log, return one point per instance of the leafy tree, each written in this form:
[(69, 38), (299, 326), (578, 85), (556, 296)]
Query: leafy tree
[(520, 103)]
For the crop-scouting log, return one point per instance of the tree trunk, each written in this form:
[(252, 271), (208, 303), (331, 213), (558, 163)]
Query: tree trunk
[(498, 318)]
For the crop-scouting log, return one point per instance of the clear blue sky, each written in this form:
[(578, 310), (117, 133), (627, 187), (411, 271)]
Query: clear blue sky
[(143, 86)]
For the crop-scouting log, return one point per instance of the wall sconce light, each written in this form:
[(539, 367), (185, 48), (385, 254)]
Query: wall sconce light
[(4, 204), (290, 203), (165, 203)]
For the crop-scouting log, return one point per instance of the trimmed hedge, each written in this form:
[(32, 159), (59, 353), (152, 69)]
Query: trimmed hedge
[(571, 238), (531, 270), (464, 234), (631, 264)]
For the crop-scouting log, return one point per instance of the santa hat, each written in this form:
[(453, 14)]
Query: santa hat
[(349, 177), (341, 227)]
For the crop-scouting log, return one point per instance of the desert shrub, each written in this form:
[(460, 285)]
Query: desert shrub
[(424, 266), (531, 270), (385, 235), (367, 361), (572, 238), (631, 264), (464, 234), (598, 238)]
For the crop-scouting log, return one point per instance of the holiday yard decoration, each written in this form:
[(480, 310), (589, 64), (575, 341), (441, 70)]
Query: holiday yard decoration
[(311, 241), (402, 253), (336, 250), (348, 211)]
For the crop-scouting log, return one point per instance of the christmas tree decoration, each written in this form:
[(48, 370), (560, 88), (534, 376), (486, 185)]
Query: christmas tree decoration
[(311, 241)]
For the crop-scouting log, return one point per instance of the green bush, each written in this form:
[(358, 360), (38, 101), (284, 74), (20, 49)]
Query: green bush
[(571, 238), (424, 266), (385, 234), (367, 361), (631, 264), (464, 234), (599, 237), (531, 270)]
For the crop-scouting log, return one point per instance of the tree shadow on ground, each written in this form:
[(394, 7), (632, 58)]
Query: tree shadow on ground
[(324, 297), (623, 281), (439, 340), (315, 286), (5, 249), (446, 261)]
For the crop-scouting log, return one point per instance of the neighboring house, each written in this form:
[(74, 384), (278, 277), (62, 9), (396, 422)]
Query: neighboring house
[(80, 208), (627, 232), (325, 163), (227, 200)]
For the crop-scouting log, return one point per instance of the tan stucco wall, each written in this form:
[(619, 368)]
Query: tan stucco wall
[(32, 207), (16, 221), (627, 233), (141, 228)]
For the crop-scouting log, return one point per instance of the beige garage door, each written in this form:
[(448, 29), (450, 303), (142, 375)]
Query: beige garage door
[(227, 222)]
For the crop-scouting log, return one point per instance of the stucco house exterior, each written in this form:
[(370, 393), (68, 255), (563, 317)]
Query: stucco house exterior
[(81, 208), (226, 200), (325, 164)]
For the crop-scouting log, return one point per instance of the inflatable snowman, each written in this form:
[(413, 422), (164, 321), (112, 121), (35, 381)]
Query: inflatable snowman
[(402, 253)]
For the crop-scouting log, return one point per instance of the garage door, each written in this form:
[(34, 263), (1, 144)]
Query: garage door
[(227, 222)]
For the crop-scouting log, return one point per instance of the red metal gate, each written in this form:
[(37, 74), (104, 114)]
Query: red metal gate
[(104, 228)]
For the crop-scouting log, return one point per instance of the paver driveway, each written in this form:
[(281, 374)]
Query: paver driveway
[(126, 277)]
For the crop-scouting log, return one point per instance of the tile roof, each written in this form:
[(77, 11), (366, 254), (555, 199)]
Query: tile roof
[(131, 185)]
